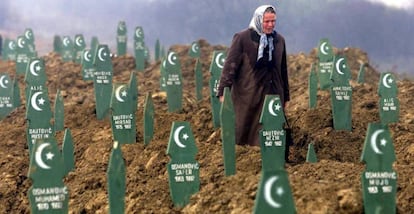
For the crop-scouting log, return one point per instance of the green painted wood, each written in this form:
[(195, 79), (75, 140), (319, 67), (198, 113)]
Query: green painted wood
[(361, 73), (326, 64), (16, 94), (94, 46), (78, 46), (59, 113), (57, 44), (116, 180), (148, 118), (157, 50), (102, 81), (68, 54), (6, 95), (311, 154), (228, 123), (194, 50), (163, 74), (313, 88), (389, 105), (216, 68), (139, 48), (23, 55), (88, 68), (68, 151), (198, 73), (121, 38), (173, 84), (133, 90)]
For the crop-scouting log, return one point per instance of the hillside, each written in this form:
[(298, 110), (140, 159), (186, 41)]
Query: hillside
[(330, 186)]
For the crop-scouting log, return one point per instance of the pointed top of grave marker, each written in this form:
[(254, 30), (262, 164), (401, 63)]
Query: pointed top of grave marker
[(35, 72), (133, 90), (102, 60), (122, 28), (325, 50), (311, 155), (172, 62), (94, 46), (22, 45), (378, 152), (57, 44), (217, 63), (116, 175), (194, 50), (157, 50), (387, 85), (272, 116), (341, 72), (139, 33), (80, 43), (28, 34), (182, 142)]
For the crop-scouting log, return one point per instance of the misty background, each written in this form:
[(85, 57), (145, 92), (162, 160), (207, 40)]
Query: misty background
[(384, 32)]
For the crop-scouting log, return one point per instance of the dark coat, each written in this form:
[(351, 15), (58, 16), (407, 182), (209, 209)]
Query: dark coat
[(249, 81)]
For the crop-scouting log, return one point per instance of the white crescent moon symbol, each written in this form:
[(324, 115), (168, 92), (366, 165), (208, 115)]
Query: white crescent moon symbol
[(27, 34), (218, 60), (117, 95), (78, 41), (65, 41), (121, 27), (384, 80), (32, 67), (34, 99), (194, 47), (2, 81), (338, 64), (177, 137), (138, 33), (270, 107), (20, 42), (322, 48), (170, 60), (11, 45), (374, 141), (267, 192), (86, 56), (100, 54), (38, 156)]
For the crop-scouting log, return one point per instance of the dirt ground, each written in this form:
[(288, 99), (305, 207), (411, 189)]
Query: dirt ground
[(332, 185)]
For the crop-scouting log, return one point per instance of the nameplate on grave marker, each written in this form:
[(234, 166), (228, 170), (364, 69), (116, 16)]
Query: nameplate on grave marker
[(216, 67)]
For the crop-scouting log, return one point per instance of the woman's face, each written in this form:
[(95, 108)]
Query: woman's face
[(269, 22)]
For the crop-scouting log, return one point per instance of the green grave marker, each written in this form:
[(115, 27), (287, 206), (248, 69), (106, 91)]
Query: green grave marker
[(16, 93), (68, 152), (102, 81), (38, 114), (22, 55), (48, 194), (88, 67), (6, 95), (311, 155), (326, 64), (216, 67), (116, 175), (78, 47), (341, 95), (9, 50), (194, 51), (29, 35), (272, 135), (173, 82), (121, 38), (274, 194), (379, 180), (123, 115), (94, 46), (361, 73), (35, 76), (313, 87), (198, 80), (67, 49), (163, 74), (139, 47), (228, 124), (389, 102), (148, 119), (157, 50), (57, 44), (59, 113), (183, 169), (133, 90)]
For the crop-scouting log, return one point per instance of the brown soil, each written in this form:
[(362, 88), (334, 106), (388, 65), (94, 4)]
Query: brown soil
[(330, 186)]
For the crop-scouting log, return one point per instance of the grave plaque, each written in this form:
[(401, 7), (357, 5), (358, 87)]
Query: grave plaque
[(9, 50), (48, 194), (79, 46), (194, 50), (389, 102), (22, 55), (94, 46), (102, 81), (326, 64), (148, 119), (67, 49), (361, 73), (116, 176), (173, 82), (311, 155), (68, 152), (87, 65), (57, 44), (59, 113), (139, 47), (121, 38), (313, 88), (157, 50), (6, 95), (379, 180), (216, 66), (198, 80), (341, 95), (183, 169), (123, 115), (272, 135), (274, 194), (228, 123)]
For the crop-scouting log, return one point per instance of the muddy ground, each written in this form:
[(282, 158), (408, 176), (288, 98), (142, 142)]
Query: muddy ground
[(332, 185)]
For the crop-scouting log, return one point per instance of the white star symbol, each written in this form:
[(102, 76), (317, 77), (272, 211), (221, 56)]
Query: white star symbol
[(277, 107), (390, 80), (280, 191), (49, 156), (123, 93), (383, 142), (41, 101), (38, 68), (185, 136)]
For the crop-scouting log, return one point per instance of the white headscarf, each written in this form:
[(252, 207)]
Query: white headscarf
[(256, 24)]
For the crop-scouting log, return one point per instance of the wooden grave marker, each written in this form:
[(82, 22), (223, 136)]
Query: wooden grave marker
[(311, 154), (6, 95), (139, 47), (78, 47), (116, 179), (35, 76), (148, 118), (157, 50), (183, 169), (68, 151), (9, 50), (163, 74), (59, 113), (341, 95), (22, 55), (29, 35), (228, 123), (389, 108), (102, 81), (48, 194), (121, 38), (194, 51), (67, 49), (361, 73), (313, 87), (88, 68), (326, 64), (16, 93), (94, 46), (379, 180), (216, 66), (198, 80), (173, 82), (133, 90), (57, 44)]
